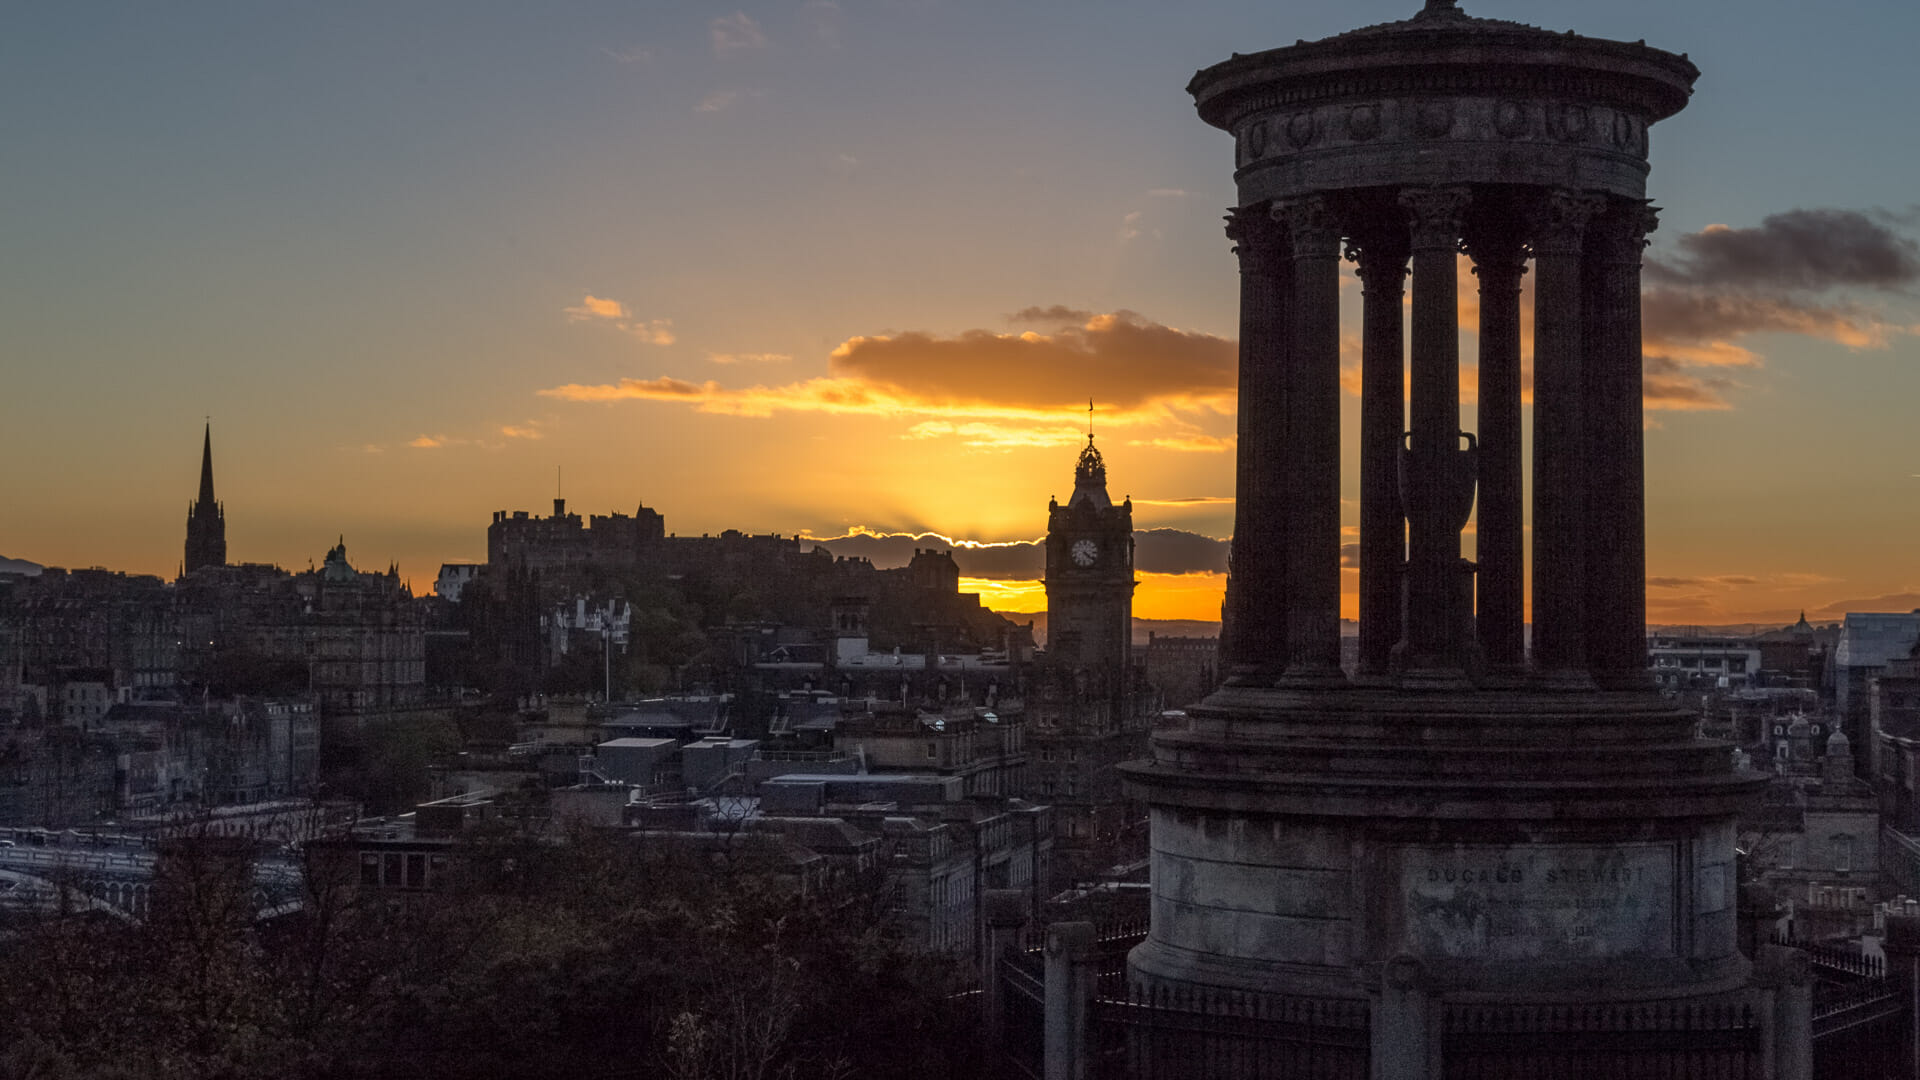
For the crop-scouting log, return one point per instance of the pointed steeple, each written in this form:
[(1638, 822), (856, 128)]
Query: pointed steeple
[(206, 465), (206, 520)]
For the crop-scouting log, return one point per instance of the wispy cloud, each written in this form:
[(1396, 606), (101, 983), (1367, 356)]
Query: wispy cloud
[(1167, 193), (749, 358), (528, 430), (822, 20), (1198, 444), (598, 309), (430, 442), (1052, 315), (633, 54), (983, 435), (721, 100), (593, 307), (735, 33), (1194, 500)]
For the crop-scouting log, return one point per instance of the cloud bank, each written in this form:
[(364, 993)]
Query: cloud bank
[(1156, 551), (1142, 371), (1723, 284)]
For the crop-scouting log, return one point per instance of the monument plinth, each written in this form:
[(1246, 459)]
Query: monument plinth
[(1514, 827)]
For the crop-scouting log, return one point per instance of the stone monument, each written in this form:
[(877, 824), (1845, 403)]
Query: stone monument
[(1462, 815)]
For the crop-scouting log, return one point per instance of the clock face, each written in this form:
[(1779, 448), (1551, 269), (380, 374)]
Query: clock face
[(1085, 551)]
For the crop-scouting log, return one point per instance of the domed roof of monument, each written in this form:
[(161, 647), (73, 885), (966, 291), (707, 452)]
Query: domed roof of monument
[(1838, 744), (1090, 479), (1443, 15), (1455, 53)]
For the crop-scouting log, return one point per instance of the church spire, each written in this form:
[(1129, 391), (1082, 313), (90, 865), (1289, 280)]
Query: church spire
[(206, 465), (206, 519)]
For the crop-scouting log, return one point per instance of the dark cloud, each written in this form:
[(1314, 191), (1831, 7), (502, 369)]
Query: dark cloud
[(1130, 362), (1156, 551), (1672, 582), (1897, 602), (1665, 384), (1055, 315), (1798, 250), (1176, 551), (1697, 317)]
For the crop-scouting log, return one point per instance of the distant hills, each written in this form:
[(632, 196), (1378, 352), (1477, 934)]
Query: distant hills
[(1141, 627), (19, 566)]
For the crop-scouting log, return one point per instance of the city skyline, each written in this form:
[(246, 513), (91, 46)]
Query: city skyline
[(826, 267)]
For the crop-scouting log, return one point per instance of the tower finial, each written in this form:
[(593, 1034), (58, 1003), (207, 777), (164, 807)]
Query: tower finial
[(1089, 421)]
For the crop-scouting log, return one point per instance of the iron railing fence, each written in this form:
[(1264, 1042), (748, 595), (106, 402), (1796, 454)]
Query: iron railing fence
[(1588, 1042), (1861, 1031), (1023, 1016), (1170, 1035)]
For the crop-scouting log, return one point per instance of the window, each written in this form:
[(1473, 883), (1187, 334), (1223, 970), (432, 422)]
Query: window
[(933, 749), (1046, 755), (1842, 853)]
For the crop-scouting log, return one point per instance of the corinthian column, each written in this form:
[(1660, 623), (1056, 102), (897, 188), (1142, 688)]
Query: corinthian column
[(1255, 616), (1499, 258), (1616, 481), (1379, 249), (1312, 443), (1438, 487), (1559, 444)]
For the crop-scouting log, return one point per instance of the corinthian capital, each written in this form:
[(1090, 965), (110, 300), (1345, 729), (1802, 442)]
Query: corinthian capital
[(1560, 221), (1257, 238), (1316, 233), (1619, 235), (1435, 215), (1378, 250)]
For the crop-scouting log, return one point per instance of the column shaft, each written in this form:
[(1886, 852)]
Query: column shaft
[(1255, 615), (1500, 541), (1381, 254), (1438, 486), (1616, 481), (1559, 482), (1312, 457)]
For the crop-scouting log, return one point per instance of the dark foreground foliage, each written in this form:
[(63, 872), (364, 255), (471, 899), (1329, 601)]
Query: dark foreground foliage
[(578, 960)]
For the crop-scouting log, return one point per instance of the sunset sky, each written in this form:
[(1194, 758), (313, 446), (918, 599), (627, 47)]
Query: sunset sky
[(832, 265)]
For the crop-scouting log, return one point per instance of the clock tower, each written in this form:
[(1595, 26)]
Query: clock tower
[(1090, 581)]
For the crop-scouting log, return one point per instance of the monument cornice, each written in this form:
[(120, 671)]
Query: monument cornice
[(1648, 81)]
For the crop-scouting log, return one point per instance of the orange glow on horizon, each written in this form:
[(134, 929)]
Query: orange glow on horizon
[(1159, 596)]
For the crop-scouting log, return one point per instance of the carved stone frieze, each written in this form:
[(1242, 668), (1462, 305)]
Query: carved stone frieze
[(1363, 122), (1294, 129)]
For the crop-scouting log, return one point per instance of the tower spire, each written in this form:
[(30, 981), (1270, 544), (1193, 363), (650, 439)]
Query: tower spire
[(206, 465), (206, 521)]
